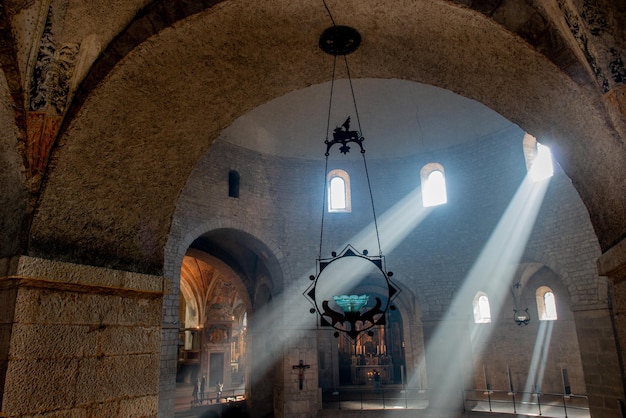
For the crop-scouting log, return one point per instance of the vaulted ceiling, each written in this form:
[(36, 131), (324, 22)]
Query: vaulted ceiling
[(107, 109)]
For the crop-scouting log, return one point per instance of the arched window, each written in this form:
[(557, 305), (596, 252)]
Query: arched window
[(538, 159), (233, 183), (546, 304), (433, 185), (339, 191), (482, 312)]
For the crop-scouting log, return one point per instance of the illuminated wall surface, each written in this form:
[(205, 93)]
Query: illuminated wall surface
[(496, 229), (163, 159)]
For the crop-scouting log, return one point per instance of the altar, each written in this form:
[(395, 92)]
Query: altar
[(368, 369), (366, 375)]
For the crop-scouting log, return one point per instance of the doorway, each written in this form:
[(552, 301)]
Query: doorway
[(216, 368)]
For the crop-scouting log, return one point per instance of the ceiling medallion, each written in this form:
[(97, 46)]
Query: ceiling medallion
[(340, 40)]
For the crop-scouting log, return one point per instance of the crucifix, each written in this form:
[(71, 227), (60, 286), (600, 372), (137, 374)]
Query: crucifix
[(301, 367)]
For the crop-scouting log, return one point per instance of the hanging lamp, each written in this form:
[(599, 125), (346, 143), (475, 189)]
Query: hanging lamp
[(521, 316), (352, 290)]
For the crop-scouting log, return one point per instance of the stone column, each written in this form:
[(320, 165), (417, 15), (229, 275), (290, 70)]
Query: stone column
[(299, 389), (600, 360), (612, 264), (78, 340), (328, 359), (169, 366), (170, 344), (260, 371)]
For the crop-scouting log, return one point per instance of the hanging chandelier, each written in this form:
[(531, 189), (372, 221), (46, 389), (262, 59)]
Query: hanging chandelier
[(352, 290), (521, 316)]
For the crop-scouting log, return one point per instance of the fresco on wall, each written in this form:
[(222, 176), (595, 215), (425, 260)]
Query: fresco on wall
[(591, 30), (49, 92)]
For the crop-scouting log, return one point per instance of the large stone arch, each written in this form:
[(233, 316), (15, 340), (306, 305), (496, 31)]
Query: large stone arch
[(406, 42), (134, 134), (257, 293), (178, 246)]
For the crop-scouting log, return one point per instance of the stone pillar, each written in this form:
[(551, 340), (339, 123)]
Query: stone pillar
[(169, 366), (260, 373), (448, 356), (600, 360), (613, 265), (300, 398), (328, 359), (170, 327), (78, 340)]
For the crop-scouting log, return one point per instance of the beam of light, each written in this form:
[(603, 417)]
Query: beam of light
[(276, 331), (275, 336), (538, 362), (492, 273), (542, 167), (435, 189), (394, 225)]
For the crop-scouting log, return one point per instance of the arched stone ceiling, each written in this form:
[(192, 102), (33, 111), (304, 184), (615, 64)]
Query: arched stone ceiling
[(397, 118), (203, 274), (124, 156)]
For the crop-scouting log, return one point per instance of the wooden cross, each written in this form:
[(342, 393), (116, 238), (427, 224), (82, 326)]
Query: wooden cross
[(301, 367)]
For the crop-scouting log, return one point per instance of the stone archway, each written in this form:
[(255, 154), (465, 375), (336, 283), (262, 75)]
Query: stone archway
[(135, 134), (227, 273), (213, 304), (188, 71)]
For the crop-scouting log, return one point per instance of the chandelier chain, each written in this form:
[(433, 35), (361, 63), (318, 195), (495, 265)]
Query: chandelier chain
[(369, 187), (367, 176), (356, 109), (330, 104), (323, 206), (329, 13)]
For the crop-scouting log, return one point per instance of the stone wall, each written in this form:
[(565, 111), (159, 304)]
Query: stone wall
[(79, 340), (536, 353), (601, 362), (430, 251), (613, 264)]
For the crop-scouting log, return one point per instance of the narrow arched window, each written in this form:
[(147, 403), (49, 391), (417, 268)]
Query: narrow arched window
[(233, 183), (433, 185), (550, 304), (482, 311), (339, 191), (538, 159), (546, 304)]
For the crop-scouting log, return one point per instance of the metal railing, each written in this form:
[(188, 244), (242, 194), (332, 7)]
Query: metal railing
[(496, 401), (527, 403), (383, 398), (230, 395)]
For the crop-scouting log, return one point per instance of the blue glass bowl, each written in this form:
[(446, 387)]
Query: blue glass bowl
[(351, 303)]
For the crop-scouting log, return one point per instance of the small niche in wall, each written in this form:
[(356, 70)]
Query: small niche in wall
[(233, 183)]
